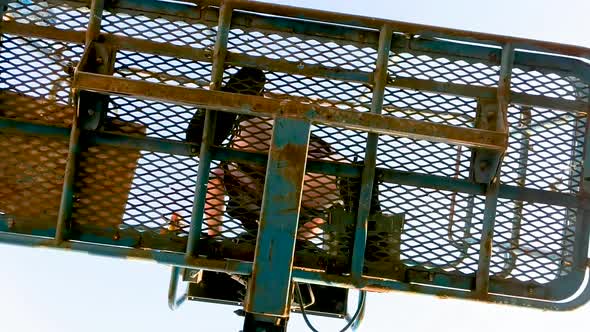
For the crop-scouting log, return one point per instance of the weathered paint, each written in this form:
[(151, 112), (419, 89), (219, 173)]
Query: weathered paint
[(208, 134), (270, 284), (368, 175), (255, 105), (487, 234), (389, 176), (67, 195), (432, 47), (512, 290), (119, 243), (501, 124)]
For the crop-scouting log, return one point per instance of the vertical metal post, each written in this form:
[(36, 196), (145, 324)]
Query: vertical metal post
[(94, 21), (219, 52), (583, 213), (521, 172), (485, 251), (267, 301), (67, 196), (368, 174)]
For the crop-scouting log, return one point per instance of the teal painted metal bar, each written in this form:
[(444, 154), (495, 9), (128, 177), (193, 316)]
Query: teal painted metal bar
[(582, 234), (460, 285), (224, 154), (487, 234), (67, 197), (523, 154), (585, 183), (485, 250), (270, 285), (368, 174), (205, 155), (173, 301)]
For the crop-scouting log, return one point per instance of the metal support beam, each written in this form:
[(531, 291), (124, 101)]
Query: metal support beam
[(582, 236), (219, 53), (269, 287), (324, 167), (482, 279), (67, 195), (503, 95), (88, 106), (500, 123), (368, 175), (255, 105)]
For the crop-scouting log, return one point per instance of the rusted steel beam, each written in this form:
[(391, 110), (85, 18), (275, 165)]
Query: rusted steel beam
[(67, 196), (270, 284), (368, 174), (265, 106), (549, 102), (186, 52), (482, 280), (293, 21), (410, 28), (151, 47), (205, 155), (315, 70), (45, 32)]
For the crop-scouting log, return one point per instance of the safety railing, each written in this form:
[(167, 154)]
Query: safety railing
[(362, 153)]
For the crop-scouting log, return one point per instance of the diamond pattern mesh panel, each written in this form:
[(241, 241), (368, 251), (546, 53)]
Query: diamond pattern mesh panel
[(311, 50), (441, 229), (554, 84), (40, 69), (69, 16), (160, 29), (532, 241), (545, 149), (443, 69)]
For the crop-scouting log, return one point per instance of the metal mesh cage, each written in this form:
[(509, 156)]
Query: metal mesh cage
[(135, 173)]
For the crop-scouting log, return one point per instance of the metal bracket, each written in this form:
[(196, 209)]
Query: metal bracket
[(93, 107), (484, 162)]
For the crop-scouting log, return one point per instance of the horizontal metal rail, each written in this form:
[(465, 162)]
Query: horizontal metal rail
[(419, 285), (255, 105), (187, 52), (367, 27), (330, 168)]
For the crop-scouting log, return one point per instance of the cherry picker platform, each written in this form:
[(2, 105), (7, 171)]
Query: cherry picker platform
[(377, 155)]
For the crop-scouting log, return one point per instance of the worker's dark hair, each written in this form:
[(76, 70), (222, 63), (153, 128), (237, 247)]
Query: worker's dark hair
[(247, 80)]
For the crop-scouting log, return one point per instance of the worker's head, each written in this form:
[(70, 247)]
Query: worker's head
[(247, 80)]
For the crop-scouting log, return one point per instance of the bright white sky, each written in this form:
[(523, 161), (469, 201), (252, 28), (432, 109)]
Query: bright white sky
[(51, 291)]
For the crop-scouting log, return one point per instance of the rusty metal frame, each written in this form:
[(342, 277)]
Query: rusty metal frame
[(356, 30)]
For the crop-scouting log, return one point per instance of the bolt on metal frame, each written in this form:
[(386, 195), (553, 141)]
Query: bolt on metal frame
[(286, 164)]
